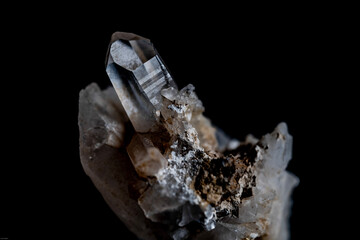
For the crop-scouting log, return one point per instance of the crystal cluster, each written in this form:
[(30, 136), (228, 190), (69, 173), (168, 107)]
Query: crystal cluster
[(165, 170)]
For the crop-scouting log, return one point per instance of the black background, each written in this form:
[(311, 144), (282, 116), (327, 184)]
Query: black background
[(251, 70)]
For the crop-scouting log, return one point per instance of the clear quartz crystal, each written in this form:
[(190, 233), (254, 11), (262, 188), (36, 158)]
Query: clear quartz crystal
[(188, 179), (145, 157)]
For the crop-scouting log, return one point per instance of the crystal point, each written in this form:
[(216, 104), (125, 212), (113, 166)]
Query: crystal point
[(138, 76)]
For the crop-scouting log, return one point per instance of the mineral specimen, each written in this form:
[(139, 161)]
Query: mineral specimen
[(165, 170)]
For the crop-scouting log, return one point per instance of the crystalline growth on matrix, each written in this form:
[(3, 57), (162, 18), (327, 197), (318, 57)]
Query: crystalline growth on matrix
[(164, 169)]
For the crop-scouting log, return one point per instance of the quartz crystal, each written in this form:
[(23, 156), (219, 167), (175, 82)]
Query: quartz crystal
[(165, 170)]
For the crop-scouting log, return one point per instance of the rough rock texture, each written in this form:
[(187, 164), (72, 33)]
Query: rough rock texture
[(168, 173)]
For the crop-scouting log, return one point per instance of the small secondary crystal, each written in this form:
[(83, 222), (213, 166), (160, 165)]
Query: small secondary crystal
[(178, 177)]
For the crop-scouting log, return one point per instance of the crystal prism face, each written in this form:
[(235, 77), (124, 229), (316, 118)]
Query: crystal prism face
[(178, 177)]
